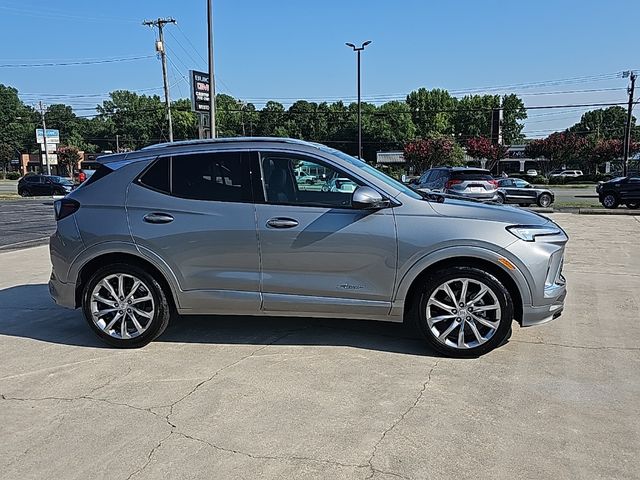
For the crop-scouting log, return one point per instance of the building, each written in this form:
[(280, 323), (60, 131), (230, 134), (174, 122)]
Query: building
[(516, 162)]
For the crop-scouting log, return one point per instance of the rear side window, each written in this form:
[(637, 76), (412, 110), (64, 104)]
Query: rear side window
[(157, 176), (101, 172), (220, 176)]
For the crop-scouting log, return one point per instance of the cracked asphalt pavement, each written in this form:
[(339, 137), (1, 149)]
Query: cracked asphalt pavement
[(240, 397)]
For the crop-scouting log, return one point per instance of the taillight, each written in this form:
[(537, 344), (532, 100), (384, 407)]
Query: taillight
[(65, 207), (450, 183), (494, 183)]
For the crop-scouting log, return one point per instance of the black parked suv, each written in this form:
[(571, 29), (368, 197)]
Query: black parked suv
[(466, 182), (34, 185), (621, 190)]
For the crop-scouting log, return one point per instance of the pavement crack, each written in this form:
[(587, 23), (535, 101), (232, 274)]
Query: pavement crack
[(220, 370), (375, 470), (150, 456), (578, 347), (270, 457)]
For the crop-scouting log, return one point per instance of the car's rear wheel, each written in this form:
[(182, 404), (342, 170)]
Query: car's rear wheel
[(633, 205), (544, 200), (125, 305), (463, 311), (610, 201), (25, 193), (500, 198)]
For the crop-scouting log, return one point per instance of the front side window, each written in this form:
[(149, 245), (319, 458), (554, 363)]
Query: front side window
[(294, 180), (219, 176)]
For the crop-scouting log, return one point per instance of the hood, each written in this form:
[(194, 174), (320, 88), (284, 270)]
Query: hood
[(484, 211)]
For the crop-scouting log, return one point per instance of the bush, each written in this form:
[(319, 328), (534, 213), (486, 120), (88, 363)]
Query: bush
[(539, 180), (13, 175)]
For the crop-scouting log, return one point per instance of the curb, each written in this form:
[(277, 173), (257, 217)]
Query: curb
[(26, 244), (598, 211)]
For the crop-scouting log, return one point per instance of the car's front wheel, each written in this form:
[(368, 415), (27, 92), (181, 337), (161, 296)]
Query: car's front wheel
[(610, 201), (125, 305), (463, 311), (544, 200)]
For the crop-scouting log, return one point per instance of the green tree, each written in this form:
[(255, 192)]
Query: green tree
[(422, 154), (68, 158), (17, 121), (7, 153), (607, 123), (432, 111), (271, 120), (139, 120), (185, 122), (473, 116), (513, 111)]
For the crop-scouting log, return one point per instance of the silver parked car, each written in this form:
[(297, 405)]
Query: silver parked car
[(222, 227), (476, 183)]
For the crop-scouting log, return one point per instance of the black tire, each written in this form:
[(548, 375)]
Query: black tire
[(162, 311), (418, 312), (633, 205), (610, 200), (25, 193), (501, 199), (544, 200)]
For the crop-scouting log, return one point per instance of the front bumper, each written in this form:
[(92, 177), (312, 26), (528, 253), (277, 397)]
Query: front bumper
[(64, 294), (542, 314)]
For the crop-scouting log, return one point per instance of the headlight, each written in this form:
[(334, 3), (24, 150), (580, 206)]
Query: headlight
[(529, 233)]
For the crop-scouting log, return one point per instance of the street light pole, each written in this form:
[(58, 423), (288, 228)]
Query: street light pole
[(212, 80), (358, 50)]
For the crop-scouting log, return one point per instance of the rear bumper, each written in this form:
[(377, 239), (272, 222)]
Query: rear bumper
[(492, 196), (64, 294)]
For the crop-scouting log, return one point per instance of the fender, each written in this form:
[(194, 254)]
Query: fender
[(128, 248), (448, 253)]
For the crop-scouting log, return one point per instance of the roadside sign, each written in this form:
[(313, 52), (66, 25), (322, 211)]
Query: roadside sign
[(199, 91), (51, 147), (52, 157), (53, 135)]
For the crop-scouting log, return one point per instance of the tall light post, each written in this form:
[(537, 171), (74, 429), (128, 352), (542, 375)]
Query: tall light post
[(358, 50)]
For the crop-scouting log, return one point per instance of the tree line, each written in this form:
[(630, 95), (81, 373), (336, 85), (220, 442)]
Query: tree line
[(444, 122)]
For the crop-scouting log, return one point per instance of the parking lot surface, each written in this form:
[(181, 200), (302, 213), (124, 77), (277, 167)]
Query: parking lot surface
[(25, 222), (238, 397)]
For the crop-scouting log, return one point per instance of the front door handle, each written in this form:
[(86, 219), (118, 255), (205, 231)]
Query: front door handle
[(281, 222), (158, 218)]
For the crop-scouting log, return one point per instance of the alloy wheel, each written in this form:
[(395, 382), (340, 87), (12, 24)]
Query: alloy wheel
[(463, 313), (545, 200), (122, 306)]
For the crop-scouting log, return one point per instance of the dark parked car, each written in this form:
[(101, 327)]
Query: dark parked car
[(474, 183), (516, 190), (34, 185), (625, 190)]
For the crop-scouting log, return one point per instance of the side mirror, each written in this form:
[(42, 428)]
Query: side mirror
[(368, 198)]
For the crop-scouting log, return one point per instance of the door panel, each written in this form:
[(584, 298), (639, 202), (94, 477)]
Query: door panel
[(317, 252), (211, 246), (330, 253)]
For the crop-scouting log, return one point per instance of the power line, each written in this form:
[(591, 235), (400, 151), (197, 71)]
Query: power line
[(67, 64)]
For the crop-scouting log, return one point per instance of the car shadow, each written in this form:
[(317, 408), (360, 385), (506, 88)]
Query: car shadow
[(27, 311)]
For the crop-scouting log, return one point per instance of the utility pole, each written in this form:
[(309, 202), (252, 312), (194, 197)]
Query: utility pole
[(160, 48), (117, 143), (627, 129), (212, 78), (44, 137)]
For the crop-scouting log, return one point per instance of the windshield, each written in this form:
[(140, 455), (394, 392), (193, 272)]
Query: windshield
[(372, 171)]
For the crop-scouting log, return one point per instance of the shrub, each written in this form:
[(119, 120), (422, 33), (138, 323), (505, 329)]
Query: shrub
[(13, 175)]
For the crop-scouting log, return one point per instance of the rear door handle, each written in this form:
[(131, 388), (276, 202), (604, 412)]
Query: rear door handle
[(158, 218), (280, 222)]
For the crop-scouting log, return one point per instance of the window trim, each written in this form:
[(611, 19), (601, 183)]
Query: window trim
[(314, 159), (243, 157)]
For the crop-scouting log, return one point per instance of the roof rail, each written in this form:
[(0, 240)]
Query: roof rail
[(226, 140)]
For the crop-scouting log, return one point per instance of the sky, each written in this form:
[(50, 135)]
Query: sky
[(286, 50)]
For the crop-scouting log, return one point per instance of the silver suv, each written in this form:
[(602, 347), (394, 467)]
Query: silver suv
[(475, 183), (223, 227)]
